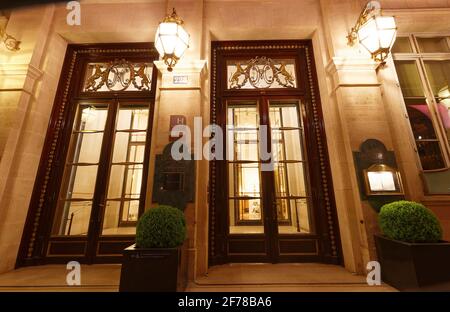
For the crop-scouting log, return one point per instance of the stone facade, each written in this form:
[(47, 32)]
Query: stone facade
[(358, 101)]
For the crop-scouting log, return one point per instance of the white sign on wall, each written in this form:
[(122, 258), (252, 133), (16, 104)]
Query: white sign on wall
[(180, 79)]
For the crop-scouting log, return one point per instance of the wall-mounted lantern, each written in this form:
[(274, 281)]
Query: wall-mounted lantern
[(171, 39), (11, 43), (381, 179), (374, 31)]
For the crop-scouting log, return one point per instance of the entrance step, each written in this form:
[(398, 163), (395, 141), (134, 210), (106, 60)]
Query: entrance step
[(229, 278), (98, 277), (192, 287), (282, 277)]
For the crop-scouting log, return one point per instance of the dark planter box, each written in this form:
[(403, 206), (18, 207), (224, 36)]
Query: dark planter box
[(153, 269), (413, 265)]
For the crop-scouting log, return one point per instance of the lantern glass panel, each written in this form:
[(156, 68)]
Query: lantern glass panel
[(368, 35), (386, 31)]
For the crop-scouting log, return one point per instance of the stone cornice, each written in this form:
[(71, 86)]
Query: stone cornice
[(417, 11), (350, 63), (34, 72), (13, 69), (20, 70), (352, 72), (17, 77)]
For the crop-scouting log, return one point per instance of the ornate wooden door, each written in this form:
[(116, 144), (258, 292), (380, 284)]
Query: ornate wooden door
[(90, 187), (271, 196)]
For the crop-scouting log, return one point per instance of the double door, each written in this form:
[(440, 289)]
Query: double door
[(271, 197), (102, 190), (90, 187), (269, 212)]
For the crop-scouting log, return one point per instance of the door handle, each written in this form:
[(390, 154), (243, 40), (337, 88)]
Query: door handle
[(100, 215), (275, 212)]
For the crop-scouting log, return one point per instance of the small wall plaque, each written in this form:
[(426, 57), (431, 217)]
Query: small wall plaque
[(180, 79), (174, 180), (174, 121)]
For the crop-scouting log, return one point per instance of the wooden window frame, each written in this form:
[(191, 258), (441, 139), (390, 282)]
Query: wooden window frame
[(420, 58)]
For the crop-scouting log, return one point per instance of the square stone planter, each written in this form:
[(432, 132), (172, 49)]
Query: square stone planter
[(153, 269), (408, 266)]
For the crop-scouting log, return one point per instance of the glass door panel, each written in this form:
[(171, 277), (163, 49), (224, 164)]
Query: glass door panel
[(244, 178), (126, 171), (275, 203), (76, 195), (245, 195), (290, 170)]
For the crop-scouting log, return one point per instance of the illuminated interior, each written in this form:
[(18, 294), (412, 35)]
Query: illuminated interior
[(420, 116), (438, 73), (244, 180), (125, 180), (246, 196), (80, 175), (291, 194)]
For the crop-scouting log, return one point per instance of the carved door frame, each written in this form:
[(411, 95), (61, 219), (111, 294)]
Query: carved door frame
[(327, 237), (34, 248)]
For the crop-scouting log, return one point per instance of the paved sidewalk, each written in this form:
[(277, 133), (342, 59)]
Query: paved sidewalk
[(304, 277), (98, 277), (230, 277)]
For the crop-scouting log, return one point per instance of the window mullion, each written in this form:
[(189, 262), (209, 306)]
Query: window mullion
[(414, 44)]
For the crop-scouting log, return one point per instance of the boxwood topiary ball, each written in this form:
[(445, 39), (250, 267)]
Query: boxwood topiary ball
[(409, 222), (161, 227)]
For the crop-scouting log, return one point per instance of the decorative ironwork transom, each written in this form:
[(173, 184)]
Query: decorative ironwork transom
[(119, 75), (261, 72)]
